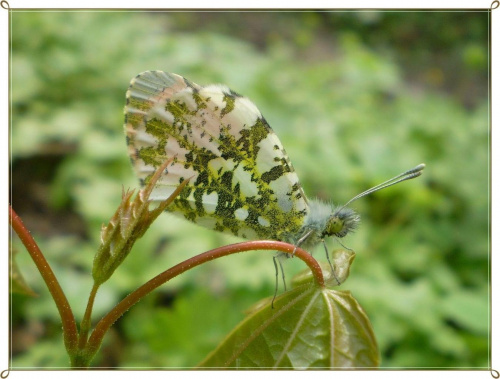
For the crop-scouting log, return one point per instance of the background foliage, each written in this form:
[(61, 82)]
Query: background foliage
[(355, 97)]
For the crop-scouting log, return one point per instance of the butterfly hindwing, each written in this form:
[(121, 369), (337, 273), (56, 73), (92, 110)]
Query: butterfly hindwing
[(241, 180)]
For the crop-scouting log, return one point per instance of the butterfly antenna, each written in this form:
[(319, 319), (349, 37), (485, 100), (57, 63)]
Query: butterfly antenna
[(407, 175)]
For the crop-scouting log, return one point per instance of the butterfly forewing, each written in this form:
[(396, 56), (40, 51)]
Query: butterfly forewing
[(241, 180)]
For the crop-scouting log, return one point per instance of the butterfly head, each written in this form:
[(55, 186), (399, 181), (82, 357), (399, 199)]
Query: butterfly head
[(341, 222)]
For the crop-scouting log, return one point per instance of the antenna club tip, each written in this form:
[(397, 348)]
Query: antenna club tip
[(407, 175)]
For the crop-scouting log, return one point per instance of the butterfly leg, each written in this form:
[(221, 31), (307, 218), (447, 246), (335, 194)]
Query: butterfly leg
[(341, 244), (282, 274), (331, 266), (300, 241), (277, 258)]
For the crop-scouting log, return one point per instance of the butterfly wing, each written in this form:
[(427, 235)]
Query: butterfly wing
[(241, 180)]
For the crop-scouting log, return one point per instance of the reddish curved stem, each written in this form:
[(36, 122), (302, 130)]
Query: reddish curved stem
[(68, 320), (105, 323)]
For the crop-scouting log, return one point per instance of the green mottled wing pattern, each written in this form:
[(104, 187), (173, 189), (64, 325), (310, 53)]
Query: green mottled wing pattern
[(241, 180)]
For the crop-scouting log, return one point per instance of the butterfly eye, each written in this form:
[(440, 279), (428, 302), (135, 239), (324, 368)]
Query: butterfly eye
[(334, 226), (342, 222)]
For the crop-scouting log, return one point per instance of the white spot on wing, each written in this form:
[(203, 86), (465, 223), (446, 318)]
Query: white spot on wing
[(186, 96), (131, 110), (241, 214), (247, 187), (243, 116), (215, 164), (216, 95), (216, 88), (159, 111), (144, 139), (203, 133), (248, 233), (267, 153), (247, 105), (210, 202), (263, 221), (283, 186)]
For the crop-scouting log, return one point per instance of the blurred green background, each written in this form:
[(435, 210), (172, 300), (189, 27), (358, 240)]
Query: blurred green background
[(355, 97)]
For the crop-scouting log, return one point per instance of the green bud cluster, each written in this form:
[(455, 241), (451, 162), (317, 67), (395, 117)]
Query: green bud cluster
[(128, 224)]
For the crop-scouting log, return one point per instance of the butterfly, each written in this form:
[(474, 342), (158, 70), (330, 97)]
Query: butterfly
[(241, 179)]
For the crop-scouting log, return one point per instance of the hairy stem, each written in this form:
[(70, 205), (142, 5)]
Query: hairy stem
[(86, 321), (70, 332)]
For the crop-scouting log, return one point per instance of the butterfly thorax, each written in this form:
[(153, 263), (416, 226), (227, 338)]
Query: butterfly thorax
[(324, 220)]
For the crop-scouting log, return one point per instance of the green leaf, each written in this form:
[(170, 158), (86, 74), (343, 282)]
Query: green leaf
[(469, 309), (309, 327), (341, 261), (18, 284)]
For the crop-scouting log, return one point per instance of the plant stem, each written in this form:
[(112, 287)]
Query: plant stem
[(105, 323), (70, 332), (86, 321)]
